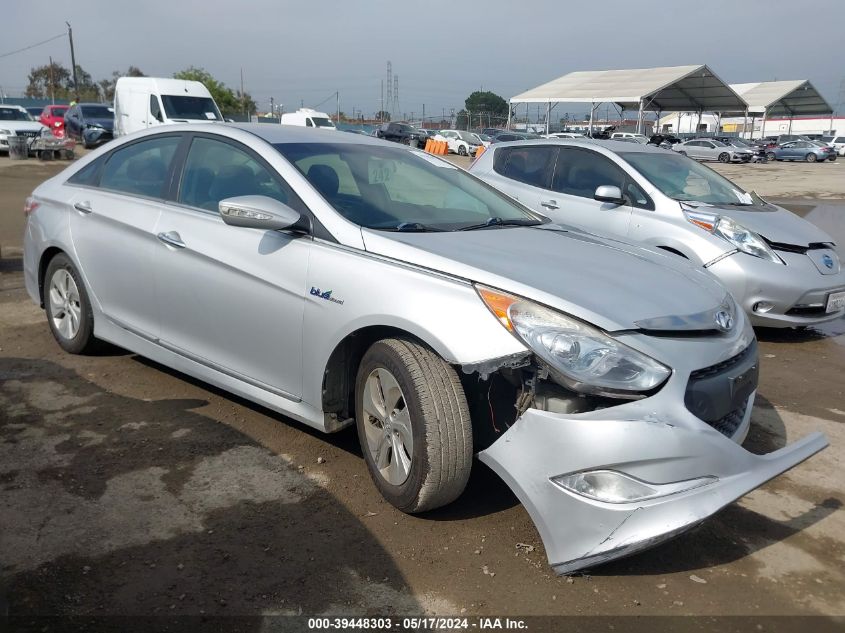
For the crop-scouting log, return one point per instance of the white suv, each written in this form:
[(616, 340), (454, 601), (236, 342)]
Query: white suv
[(15, 120)]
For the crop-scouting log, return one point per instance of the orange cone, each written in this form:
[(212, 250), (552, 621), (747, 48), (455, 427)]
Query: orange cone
[(428, 143), (479, 151), (444, 148)]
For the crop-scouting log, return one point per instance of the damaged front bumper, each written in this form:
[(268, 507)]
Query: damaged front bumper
[(580, 531)]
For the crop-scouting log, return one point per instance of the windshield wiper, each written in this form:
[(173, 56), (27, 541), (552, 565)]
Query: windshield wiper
[(416, 227), (500, 222)]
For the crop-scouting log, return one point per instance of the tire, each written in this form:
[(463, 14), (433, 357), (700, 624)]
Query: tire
[(771, 157), (832, 158), (724, 157), (810, 158), (682, 153), (71, 301), (440, 432), (462, 151)]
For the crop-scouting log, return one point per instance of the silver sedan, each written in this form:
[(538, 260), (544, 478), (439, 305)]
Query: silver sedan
[(350, 281), (711, 149), (783, 270)]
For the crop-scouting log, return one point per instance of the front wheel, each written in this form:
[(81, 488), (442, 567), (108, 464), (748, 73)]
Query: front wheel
[(724, 157), (413, 425), (771, 156), (68, 307), (810, 158), (462, 151)]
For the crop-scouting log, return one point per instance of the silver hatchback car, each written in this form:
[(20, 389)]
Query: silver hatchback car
[(342, 280), (783, 270)]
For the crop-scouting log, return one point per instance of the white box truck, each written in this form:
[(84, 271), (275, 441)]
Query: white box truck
[(142, 102), (308, 118)]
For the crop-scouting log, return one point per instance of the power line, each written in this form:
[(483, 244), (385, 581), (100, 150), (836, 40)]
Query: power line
[(26, 48)]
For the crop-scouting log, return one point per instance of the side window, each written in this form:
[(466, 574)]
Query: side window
[(308, 122), (708, 144), (580, 172), (839, 139), (140, 168), (215, 170), (155, 108), (531, 165), (89, 174)]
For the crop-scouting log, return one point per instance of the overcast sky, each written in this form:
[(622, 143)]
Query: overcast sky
[(441, 50)]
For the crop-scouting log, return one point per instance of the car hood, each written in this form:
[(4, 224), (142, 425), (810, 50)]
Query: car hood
[(609, 283), (774, 223), (23, 126)]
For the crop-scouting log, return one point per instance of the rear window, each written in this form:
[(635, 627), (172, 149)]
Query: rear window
[(97, 112)]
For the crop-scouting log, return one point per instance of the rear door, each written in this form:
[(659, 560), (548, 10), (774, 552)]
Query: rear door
[(525, 173), (113, 216), (232, 298)]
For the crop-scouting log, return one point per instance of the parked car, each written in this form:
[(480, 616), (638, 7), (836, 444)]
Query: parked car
[(639, 138), (758, 151), (91, 124), (564, 135), (16, 121), (308, 117), (711, 149), (436, 314), (492, 131), (666, 141), (801, 150), (144, 102), (828, 148), (399, 132), (506, 137), (53, 116), (783, 270), (837, 142), (460, 142)]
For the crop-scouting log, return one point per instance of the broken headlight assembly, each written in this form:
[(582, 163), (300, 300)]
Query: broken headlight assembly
[(741, 238), (610, 486), (579, 356)]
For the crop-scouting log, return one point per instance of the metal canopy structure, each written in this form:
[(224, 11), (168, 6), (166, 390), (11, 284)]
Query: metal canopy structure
[(783, 98), (668, 89)]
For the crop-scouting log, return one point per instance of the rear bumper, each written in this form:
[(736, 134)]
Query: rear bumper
[(580, 532)]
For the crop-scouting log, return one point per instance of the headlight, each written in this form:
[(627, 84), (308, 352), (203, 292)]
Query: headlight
[(742, 238), (580, 356), (6, 132), (611, 486)]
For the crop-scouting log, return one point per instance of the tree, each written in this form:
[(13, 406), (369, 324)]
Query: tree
[(227, 100), (488, 105), (55, 81)]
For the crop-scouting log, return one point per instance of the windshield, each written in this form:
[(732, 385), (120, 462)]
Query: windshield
[(57, 112), (738, 142), (194, 108), (396, 189), (13, 114), (682, 178), (322, 121), (97, 112)]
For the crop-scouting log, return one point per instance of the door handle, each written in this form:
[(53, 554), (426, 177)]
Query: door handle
[(83, 207), (549, 204), (171, 238)]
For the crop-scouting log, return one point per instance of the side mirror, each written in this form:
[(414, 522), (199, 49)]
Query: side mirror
[(257, 212), (609, 193)]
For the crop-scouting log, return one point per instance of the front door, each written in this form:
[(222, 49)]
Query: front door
[(232, 298)]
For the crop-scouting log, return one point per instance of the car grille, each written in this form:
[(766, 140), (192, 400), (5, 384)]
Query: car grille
[(30, 133), (807, 311), (728, 425), (718, 395), (725, 365)]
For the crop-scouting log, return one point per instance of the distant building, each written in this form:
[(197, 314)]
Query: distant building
[(688, 123)]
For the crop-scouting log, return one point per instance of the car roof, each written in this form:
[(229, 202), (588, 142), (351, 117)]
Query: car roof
[(612, 146), (12, 106), (275, 134)]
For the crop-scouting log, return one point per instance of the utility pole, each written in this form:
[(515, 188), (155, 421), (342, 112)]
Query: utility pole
[(337, 106), (52, 83), (243, 97), (381, 112), (73, 62)]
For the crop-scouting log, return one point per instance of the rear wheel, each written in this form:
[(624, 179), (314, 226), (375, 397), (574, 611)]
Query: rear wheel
[(68, 307), (413, 425), (724, 157), (810, 158)]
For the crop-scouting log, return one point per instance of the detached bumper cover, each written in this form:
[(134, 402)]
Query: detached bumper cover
[(580, 532)]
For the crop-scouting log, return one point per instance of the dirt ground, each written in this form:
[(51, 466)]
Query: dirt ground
[(127, 488)]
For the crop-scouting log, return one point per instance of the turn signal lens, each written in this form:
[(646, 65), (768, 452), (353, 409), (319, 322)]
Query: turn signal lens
[(498, 303)]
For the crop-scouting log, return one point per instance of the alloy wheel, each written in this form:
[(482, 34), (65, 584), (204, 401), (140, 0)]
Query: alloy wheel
[(65, 308), (387, 426)]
